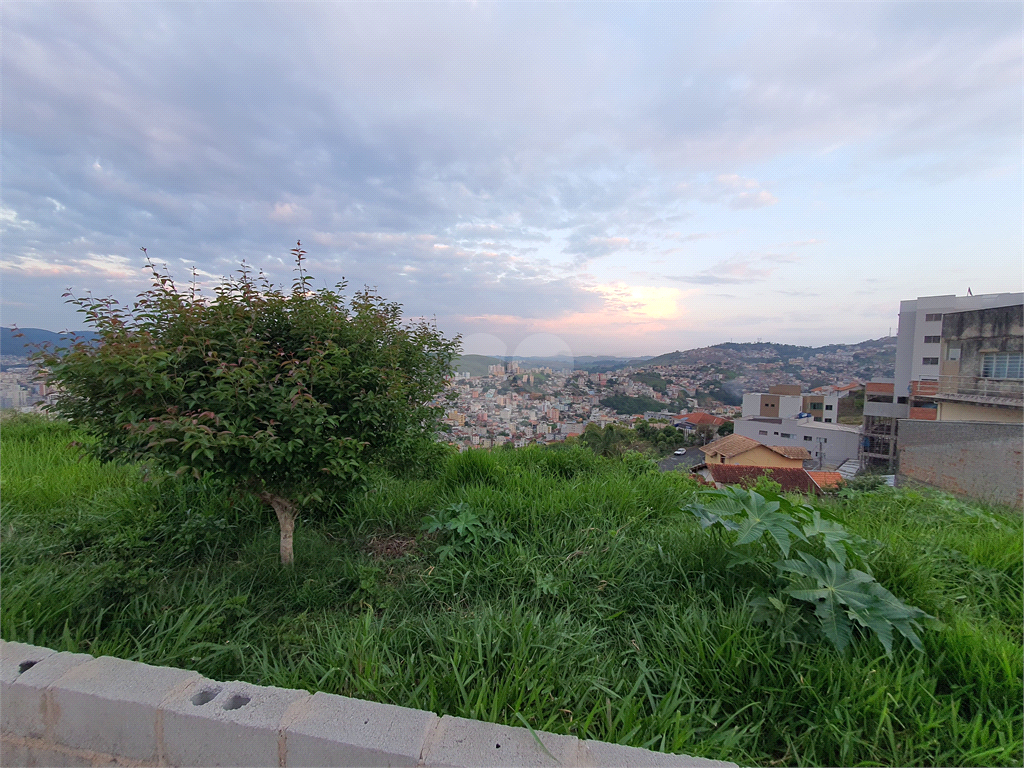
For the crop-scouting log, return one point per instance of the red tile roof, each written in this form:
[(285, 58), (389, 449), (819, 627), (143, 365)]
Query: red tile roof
[(790, 478), (826, 479), (698, 418)]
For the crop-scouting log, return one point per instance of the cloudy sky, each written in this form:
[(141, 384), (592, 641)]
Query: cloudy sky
[(591, 178)]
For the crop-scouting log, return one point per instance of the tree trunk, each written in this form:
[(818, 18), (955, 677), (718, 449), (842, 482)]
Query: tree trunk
[(286, 519)]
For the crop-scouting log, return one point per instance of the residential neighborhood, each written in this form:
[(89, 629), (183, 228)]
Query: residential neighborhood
[(955, 360)]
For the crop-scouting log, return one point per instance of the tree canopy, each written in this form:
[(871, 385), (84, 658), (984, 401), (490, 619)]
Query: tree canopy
[(286, 394)]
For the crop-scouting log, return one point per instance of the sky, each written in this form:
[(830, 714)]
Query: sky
[(571, 178)]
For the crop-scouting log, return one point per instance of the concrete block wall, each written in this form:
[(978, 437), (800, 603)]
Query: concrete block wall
[(978, 460), (72, 709)]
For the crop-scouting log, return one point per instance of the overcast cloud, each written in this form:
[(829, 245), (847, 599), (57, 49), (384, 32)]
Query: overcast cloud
[(593, 172)]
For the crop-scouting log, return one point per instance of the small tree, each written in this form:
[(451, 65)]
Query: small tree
[(285, 395), (705, 432)]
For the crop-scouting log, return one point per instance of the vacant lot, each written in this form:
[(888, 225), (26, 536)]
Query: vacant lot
[(577, 597)]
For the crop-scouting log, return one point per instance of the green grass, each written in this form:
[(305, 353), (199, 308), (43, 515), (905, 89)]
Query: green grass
[(608, 613)]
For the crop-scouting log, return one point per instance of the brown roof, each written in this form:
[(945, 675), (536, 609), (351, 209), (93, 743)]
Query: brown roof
[(790, 451), (699, 417), (731, 445), (826, 479), (790, 478), (734, 445)]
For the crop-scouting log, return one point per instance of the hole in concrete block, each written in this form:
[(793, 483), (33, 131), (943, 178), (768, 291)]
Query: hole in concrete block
[(497, 746), (205, 695), (26, 665), (236, 702)]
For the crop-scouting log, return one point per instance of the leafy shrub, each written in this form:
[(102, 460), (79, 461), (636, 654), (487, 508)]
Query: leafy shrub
[(839, 593), (861, 483), (637, 464), (285, 395), (464, 530)]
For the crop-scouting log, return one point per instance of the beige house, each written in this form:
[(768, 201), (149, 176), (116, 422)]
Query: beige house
[(737, 449)]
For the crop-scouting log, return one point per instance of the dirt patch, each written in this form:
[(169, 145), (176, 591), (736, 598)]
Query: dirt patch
[(390, 547)]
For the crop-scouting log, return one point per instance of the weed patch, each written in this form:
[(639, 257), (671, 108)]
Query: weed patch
[(579, 594)]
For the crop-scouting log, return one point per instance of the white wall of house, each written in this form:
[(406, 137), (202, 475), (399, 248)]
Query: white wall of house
[(789, 405), (837, 442)]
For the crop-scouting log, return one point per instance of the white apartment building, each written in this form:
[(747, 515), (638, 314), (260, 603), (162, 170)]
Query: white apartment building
[(920, 334), (788, 402), (829, 444), (785, 416), (918, 365)]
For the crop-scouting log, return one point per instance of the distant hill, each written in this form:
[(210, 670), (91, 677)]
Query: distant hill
[(767, 351), (32, 338), (559, 362)]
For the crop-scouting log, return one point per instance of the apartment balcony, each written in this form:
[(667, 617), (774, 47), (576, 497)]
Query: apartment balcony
[(973, 389)]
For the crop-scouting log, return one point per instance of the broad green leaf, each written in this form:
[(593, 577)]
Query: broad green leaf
[(707, 518), (836, 539), (879, 625), (834, 624), (763, 517)]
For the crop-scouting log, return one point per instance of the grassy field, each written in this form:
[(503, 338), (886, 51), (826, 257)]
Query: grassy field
[(588, 603)]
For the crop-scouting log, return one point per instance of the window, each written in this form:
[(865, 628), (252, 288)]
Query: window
[(1002, 366), (775, 433), (807, 438), (762, 431), (953, 352), (929, 361), (721, 460), (817, 418), (785, 434), (815, 406), (901, 400), (828, 407), (932, 339), (824, 439), (828, 421), (933, 317)]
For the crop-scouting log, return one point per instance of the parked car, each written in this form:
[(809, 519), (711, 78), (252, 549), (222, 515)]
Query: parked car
[(681, 452)]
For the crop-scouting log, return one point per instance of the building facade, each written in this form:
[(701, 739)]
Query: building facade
[(786, 401), (829, 445), (920, 362)]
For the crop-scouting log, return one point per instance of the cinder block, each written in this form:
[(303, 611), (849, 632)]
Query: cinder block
[(110, 705), (461, 742), (335, 730), (601, 754), (51, 757), (210, 723), (24, 705), (12, 753), (17, 751), (15, 658)]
